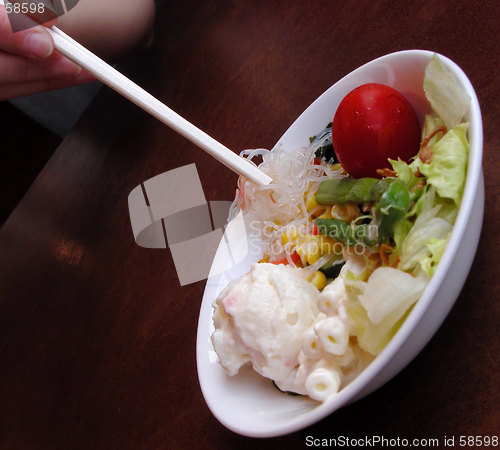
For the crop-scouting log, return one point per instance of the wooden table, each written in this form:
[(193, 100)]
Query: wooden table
[(97, 337)]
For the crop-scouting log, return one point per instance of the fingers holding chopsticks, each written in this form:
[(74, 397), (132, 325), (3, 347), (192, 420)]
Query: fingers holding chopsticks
[(30, 64)]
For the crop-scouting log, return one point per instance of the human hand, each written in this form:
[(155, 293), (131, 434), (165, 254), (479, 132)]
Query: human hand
[(29, 63)]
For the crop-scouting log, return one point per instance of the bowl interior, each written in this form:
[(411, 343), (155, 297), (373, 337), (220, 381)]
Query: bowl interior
[(248, 403)]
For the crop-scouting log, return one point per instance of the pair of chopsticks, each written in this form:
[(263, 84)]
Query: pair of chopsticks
[(126, 87)]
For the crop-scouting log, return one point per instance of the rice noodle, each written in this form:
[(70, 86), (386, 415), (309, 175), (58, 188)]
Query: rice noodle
[(279, 207)]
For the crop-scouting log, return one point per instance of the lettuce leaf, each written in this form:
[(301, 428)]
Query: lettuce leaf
[(390, 291), (431, 122), (448, 167), (447, 98), (377, 306), (427, 226), (436, 248), (403, 171)]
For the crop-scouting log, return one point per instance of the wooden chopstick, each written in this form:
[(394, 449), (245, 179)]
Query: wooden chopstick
[(126, 87)]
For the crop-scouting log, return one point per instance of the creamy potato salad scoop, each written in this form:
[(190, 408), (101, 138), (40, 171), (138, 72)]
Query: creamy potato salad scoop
[(270, 318), (260, 318)]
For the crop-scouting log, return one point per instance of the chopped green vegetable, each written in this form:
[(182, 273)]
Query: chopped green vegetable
[(392, 207), (393, 201), (326, 150), (428, 226), (347, 234), (335, 191), (332, 268)]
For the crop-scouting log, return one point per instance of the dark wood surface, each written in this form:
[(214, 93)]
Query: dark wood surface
[(26, 147), (97, 337)]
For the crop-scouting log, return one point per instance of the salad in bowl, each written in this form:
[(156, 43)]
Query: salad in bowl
[(374, 188)]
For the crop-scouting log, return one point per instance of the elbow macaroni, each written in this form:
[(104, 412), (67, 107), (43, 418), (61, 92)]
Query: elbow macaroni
[(323, 382), (302, 339), (333, 334), (329, 356), (332, 297), (311, 346), (327, 351)]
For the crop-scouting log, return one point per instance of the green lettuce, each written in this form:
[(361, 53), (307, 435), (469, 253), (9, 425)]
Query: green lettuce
[(429, 224), (447, 98), (403, 171), (431, 122), (377, 306), (448, 166), (436, 248)]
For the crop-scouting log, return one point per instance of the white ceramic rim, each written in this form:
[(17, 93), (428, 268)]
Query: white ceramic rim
[(474, 178)]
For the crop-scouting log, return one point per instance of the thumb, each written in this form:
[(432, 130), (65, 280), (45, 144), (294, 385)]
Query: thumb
[(34, 42)]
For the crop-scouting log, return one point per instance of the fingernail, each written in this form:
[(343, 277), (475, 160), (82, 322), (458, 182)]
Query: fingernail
[(39, 45)]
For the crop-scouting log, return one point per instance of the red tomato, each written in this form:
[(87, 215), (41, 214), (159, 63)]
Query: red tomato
[(373, 123)]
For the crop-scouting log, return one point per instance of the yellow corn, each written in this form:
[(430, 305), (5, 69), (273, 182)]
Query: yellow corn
[(327, 214), (313, 247), (337, 167), (313, 250), (312, 204), (329, 245), (290, 236), (318, 280)]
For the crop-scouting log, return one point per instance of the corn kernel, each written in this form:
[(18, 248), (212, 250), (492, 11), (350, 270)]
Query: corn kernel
[(313, 247), (318, 280), (329, 245), (327, 214), (312, 204), (290, 236), (337, 167), (302, 250)]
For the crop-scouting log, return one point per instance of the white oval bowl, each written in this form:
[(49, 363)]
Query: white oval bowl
[(249, 404)]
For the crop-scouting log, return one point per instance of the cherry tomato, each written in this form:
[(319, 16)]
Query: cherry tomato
[(374, 122)]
